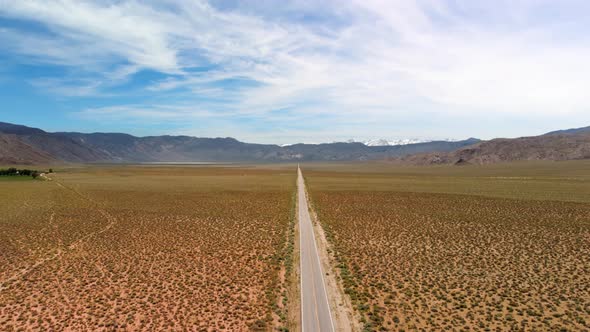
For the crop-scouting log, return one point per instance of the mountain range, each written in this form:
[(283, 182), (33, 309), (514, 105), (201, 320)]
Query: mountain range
[(26, 145), (557, 145)]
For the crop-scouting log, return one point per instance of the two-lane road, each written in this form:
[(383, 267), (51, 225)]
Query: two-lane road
[(315, 309)]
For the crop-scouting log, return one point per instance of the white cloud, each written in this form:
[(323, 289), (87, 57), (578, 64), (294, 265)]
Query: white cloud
[(124, 30), (376, 59), (147, 112)]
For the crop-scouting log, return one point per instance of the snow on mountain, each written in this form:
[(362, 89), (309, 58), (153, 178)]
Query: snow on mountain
[(385, 142), (392, 142)]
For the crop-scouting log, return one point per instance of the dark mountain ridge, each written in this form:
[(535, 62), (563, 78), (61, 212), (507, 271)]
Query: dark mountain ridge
[(118, 147), (570, 131)]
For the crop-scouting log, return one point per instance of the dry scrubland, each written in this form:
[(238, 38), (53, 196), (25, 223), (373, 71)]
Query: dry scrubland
[(152, 248), (461, 248)]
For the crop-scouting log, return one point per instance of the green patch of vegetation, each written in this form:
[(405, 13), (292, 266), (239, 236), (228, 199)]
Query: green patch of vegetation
[(13, 172)]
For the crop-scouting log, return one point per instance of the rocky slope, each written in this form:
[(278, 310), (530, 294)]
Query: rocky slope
[(14, 151), (552, 146)]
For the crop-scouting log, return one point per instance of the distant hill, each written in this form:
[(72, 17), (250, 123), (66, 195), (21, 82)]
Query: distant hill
[(570, 131), (560, 145), (359, 151), (25, 145), (58, 146), (14, 151), (116, 147), (128, 148)]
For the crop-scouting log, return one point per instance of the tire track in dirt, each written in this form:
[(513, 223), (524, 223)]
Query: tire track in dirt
[(17, 277)]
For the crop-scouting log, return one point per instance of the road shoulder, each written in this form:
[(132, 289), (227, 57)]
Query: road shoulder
[(293, 286), (344, 317)]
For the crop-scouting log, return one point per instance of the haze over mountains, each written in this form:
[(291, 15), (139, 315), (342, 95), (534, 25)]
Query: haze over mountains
[(32, 145), (26, 145)]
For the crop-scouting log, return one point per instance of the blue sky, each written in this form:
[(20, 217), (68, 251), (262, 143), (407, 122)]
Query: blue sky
[(297, 71)]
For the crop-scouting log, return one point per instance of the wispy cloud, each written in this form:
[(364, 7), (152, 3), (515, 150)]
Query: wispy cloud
[(148, 112), (382, 60)]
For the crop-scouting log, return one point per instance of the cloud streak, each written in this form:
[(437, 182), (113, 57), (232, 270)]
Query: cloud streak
[(377, 59)]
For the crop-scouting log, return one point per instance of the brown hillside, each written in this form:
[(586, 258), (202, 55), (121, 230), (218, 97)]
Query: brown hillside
[(546, 147), (14, 151)]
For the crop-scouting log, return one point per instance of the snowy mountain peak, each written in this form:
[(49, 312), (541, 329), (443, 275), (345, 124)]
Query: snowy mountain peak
[(385, 142), (392, 142)]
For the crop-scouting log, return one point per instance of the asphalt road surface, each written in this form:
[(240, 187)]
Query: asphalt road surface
[(315, 310)]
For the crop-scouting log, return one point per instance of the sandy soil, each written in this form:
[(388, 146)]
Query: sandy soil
[(145, 249)]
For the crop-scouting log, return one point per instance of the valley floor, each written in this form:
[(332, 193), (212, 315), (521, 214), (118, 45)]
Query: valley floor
[(212, 248), (465, 248), (146, 248)]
